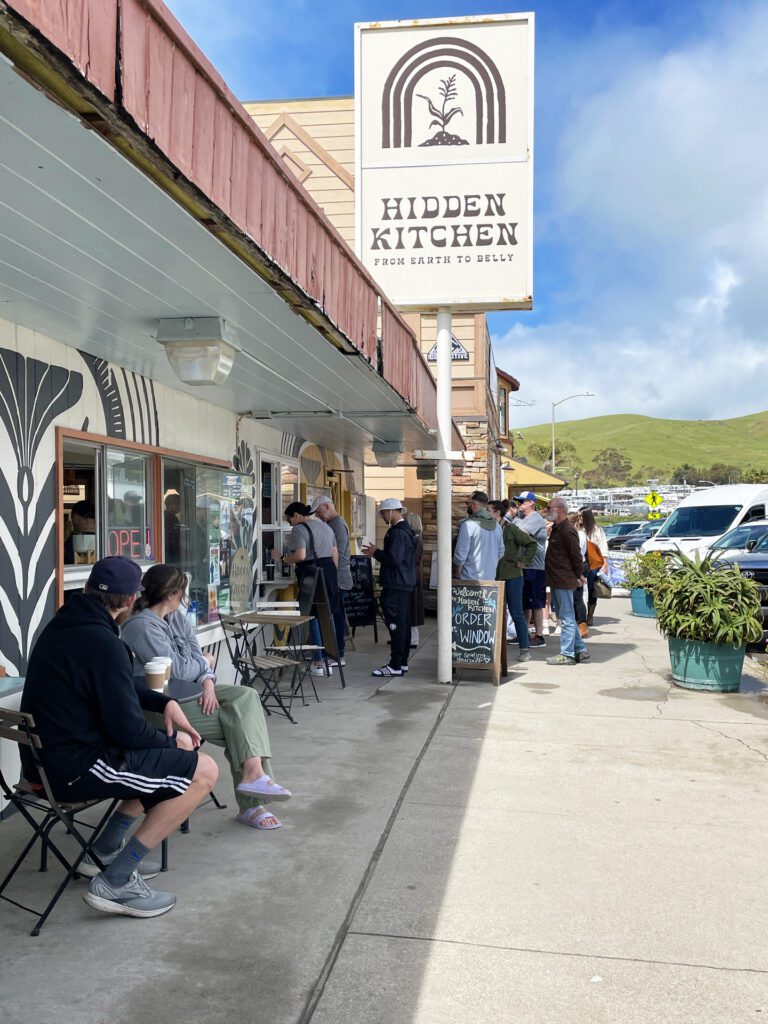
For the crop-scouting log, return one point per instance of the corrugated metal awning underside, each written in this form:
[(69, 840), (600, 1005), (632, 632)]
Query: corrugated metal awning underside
[(93, 253)]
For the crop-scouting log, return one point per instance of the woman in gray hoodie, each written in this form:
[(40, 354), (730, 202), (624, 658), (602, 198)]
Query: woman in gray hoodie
[(229, 716)]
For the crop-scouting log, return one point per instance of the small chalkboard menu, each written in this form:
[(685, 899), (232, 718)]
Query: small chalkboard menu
[(360, 601), (479, 638)]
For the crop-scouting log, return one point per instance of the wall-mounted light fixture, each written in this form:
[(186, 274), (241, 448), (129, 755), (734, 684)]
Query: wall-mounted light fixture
[(201, 349), (387, 453)]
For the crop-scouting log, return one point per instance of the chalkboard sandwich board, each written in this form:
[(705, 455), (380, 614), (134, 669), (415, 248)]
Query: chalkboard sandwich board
[(479, 638), (360, 601)]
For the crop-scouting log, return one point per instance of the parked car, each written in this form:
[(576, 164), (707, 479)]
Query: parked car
[(704, 516), (742, 538), (754, 564), (622, 530), (634, 541)]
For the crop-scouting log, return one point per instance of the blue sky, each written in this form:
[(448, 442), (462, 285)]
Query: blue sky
[(651, 191)]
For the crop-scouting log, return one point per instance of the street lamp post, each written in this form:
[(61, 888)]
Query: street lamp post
[(581, 394)]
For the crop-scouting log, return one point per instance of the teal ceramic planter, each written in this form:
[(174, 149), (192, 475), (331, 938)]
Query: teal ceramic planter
[(700, 666), (642, 603)]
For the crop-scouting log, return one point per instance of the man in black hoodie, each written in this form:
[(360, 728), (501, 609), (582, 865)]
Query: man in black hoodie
[(96, 743), (398, 579)]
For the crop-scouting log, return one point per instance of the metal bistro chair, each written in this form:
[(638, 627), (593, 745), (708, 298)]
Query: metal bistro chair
[(32, 800), (236, 639)]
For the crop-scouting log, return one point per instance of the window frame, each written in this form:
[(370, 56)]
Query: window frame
[(279, 526), (79, 574)]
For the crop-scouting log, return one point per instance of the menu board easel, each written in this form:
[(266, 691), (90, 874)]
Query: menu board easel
[(360, 601), (479, 636)]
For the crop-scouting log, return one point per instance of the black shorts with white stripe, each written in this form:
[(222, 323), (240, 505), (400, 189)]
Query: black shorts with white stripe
[(147, 775)]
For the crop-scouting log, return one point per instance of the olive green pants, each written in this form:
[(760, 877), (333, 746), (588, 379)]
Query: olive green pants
[(238, 725)]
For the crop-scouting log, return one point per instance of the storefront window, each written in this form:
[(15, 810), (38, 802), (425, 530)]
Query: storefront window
[(79, 502), (208, 526), (129, 505), (289, 477), (279, 487), (270, 495), (358, 515)]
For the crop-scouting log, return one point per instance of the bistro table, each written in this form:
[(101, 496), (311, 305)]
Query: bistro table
[(286, 628)]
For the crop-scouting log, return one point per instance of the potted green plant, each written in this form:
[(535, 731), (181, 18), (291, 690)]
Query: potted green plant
[(645, 575), (708, 613)]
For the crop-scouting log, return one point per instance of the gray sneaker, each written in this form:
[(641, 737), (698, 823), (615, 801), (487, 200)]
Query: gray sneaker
[(524, 655), (134, 899), (89, 868)]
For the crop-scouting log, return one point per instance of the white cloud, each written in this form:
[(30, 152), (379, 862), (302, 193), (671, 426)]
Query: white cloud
[(656, 207)]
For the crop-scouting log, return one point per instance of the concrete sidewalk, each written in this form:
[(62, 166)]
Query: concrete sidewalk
[(583, 844)]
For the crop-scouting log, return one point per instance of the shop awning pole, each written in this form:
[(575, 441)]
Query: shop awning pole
[(444, 525)]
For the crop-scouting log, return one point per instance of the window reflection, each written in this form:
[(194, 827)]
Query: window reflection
[(208, 526), (129, 530)]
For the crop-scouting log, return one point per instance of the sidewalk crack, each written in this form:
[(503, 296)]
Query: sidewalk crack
[(653, 672), (737, 739)]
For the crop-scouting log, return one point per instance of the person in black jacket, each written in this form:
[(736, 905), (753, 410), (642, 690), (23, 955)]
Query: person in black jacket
[(398, 579), (96, 743)]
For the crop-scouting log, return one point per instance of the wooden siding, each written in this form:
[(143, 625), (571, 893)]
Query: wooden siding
[(163, 89), (325, 142)]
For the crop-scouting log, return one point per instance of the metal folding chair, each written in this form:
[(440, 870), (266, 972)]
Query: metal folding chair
[(42, 811), (237, 641), (269, 670)]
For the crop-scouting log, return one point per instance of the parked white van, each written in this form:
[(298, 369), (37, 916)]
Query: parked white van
[(704, 516)]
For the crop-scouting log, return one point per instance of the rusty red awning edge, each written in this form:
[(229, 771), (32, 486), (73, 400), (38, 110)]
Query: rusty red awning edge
[(133, 74)]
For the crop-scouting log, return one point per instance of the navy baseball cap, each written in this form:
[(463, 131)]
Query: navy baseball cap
[(525, 496), (115, 575)]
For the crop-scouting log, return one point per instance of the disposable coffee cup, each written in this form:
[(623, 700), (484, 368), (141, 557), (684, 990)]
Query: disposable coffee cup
[(166, 662), (154, 672)]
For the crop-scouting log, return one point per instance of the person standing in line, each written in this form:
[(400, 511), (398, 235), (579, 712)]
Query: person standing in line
[(417, 605), (564, 571), (398, 579), (579, 608), (519, 551), (325, 511), (534, 583), (311, 543), (597, 558), (479, 544)]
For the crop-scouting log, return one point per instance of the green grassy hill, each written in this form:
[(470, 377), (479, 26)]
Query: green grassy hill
[(657, 447)]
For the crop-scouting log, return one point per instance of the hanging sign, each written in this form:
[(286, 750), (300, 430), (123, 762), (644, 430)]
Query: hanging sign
[(444, 151), (240, 577)]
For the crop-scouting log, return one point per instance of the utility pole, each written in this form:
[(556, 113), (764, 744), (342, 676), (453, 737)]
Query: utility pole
[(444, 497)]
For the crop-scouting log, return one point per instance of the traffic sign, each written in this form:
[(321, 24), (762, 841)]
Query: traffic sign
[(654, 499)]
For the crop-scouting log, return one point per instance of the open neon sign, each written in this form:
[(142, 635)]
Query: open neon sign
[(130, 542)]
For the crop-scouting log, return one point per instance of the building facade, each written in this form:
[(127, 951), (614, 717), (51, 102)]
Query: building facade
[(315, 138), (140, 198)]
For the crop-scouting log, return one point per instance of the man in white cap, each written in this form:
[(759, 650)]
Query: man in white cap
[(398, 578), (325, 510)]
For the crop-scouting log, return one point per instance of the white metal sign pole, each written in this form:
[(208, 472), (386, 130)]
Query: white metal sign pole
[(444, 524)]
